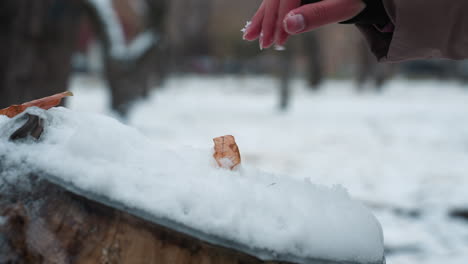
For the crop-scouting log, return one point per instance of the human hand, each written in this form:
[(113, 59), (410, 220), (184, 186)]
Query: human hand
[(276, 20)]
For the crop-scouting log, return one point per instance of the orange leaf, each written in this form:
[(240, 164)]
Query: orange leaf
[(44, 103), (227, 153)]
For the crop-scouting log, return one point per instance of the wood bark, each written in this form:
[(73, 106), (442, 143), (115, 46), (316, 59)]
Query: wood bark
[(52, 225)]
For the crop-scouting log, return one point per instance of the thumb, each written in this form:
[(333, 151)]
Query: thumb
[(312, 16)]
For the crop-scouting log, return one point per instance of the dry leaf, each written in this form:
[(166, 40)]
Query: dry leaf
[(44, 103), (227, 153)]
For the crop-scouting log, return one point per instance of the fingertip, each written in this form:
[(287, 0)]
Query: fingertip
[(267, 37), (294, 23), (266, 41), (251, 32), (269, 22), (252, 29), (245, 28), (281, 36), (249, 36), (312, 16)]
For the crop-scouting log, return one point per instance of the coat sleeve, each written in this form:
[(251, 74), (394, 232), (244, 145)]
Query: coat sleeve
[(422, 29)]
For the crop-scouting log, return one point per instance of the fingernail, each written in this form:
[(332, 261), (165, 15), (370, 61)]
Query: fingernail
[(260, 41), (276, 39), (294, 23)]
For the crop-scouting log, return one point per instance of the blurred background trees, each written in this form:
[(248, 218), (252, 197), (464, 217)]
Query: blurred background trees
[(135, 44), (37, 41)]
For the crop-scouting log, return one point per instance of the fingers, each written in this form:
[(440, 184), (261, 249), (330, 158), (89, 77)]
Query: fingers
[(267, 36), (313, 16), (274, 23), (253, 30), (285, 6)]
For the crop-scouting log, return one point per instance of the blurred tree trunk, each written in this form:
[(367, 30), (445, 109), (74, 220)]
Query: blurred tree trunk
[(129, 77), (189, 25), (370, 69), (365, 66), (199, 18), (285, 76), (37, 42), (313, 52), (37, 39), (157, 22)]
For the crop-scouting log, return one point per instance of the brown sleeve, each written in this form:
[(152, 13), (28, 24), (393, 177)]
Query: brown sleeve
[(423, 29)]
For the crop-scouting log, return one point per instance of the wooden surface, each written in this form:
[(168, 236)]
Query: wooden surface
[(60, 227)]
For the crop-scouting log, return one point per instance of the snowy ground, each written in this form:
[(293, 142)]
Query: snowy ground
[(403, 152)]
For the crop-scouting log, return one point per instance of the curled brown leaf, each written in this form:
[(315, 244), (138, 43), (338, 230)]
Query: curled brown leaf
[(226, 153), (44, 103)]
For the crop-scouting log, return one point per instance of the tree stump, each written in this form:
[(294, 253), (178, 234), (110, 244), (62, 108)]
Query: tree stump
[(51, 225), (46, 220)]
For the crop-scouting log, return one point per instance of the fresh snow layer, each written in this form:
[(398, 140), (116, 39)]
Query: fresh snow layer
[(259, 210)]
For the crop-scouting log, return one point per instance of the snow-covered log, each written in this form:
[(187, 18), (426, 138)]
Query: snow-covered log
[(92, 190)]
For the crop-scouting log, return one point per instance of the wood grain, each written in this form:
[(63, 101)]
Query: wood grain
[(67, 228)]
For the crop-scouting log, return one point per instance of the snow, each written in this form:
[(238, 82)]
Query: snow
[(141, 44), (247, 24), (226, 163), (112, 24), (263, 212), (403, 152), (279, 47)]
